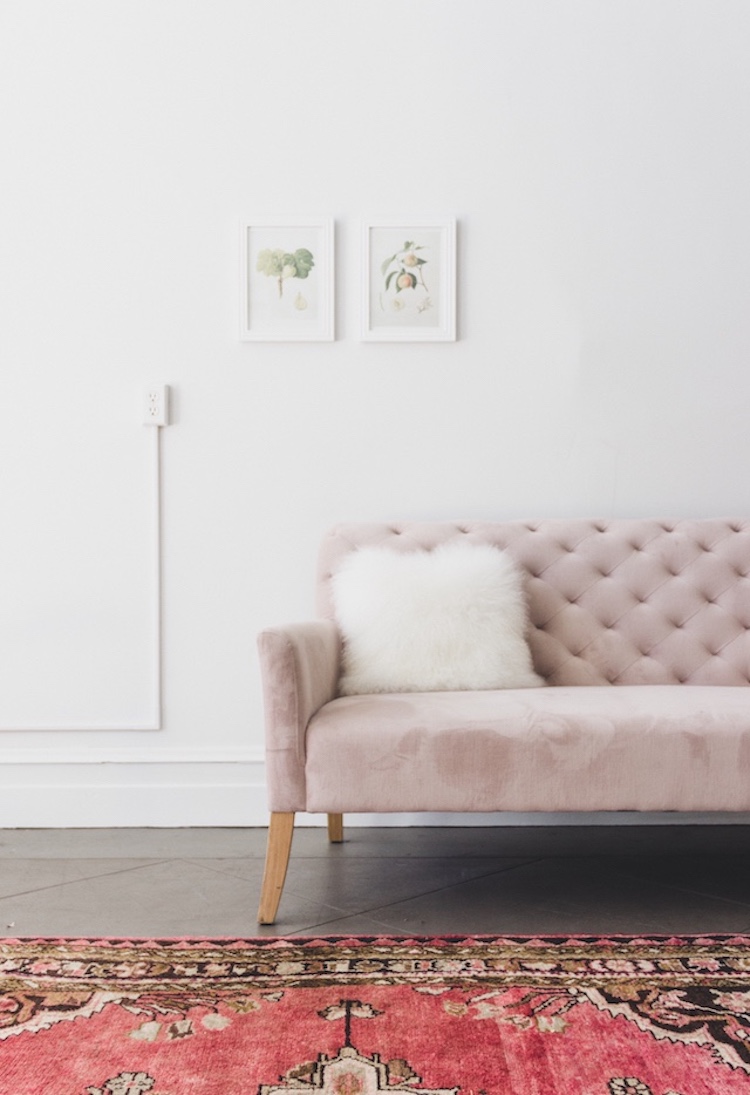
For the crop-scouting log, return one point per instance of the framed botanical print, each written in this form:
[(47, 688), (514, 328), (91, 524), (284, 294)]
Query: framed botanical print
[(409, 280), (286, 281)]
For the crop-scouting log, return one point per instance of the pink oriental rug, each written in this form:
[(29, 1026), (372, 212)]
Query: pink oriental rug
[(360, 1016)]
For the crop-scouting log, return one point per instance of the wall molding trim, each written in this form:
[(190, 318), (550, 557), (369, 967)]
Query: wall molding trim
[(130, 755), (191, 792), (151, 720), (175, 793)]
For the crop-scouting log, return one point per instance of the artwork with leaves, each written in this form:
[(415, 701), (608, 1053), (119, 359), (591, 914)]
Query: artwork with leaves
[(402, 272), (287, 281), (409, 283)]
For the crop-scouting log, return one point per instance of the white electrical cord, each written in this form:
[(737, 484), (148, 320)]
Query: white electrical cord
[(157, 578)]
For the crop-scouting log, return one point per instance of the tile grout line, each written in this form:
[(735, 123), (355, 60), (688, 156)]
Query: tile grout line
[(84, 878), (440, 889)]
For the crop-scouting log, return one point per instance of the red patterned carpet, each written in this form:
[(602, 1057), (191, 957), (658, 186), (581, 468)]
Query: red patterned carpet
[(453, 1016)]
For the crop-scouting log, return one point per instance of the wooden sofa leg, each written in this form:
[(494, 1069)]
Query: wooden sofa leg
[(336, 828), (280, 832)]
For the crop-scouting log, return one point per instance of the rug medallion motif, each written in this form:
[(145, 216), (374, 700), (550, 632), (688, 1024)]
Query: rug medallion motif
[(361, 1016)]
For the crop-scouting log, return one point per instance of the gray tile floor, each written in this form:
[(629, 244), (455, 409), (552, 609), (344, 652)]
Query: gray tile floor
[(680, 879)]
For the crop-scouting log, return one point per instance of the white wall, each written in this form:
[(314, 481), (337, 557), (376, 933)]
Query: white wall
[(596, 157)]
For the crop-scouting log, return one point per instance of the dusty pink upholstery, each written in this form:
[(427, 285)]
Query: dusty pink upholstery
[(659, 608), (653, 747)]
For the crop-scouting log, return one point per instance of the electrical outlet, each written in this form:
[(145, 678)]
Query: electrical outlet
[(156, 405)]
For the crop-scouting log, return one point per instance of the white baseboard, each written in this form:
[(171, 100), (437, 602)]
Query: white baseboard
[(182, 791), (166, 795)]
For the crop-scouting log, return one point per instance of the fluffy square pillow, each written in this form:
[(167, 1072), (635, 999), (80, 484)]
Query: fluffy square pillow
[(421, 621)]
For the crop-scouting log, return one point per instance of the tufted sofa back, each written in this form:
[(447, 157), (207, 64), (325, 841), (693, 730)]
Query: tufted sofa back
[(610, 602)]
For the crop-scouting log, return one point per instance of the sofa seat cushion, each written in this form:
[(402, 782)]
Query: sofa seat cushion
[(650, 747)]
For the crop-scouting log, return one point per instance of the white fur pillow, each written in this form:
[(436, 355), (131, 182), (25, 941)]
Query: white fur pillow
[(449, 619)]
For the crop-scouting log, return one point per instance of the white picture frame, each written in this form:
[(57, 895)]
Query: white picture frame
[(287, 280), (409, 280)]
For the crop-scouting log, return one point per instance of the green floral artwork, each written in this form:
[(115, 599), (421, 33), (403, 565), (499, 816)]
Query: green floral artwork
[(403, 273), (282, 264), (406, 267)]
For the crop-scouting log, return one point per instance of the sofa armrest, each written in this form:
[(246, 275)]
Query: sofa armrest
[(300, 666)]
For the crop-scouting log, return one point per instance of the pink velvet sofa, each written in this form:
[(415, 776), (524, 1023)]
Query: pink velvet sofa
[(641, 631)]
